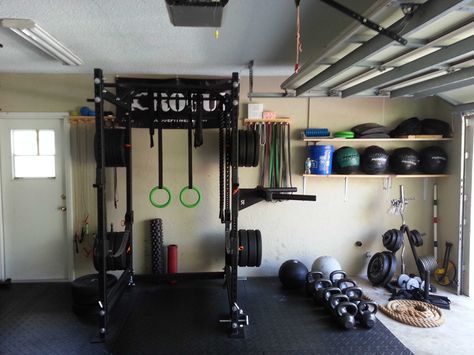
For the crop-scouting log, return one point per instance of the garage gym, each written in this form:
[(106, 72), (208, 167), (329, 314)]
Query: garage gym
[(236, 176)]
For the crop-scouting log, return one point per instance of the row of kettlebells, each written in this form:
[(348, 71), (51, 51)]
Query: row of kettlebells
[(341, 297)]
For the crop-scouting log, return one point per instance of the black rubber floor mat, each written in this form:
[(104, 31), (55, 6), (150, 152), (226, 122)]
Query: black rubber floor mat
[(183, 319)]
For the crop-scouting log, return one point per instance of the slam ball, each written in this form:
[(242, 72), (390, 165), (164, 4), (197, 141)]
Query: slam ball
[(374, 160), (292, 274), (326, 264)]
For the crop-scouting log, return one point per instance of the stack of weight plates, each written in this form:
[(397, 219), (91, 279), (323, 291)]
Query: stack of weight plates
[(85, 294)]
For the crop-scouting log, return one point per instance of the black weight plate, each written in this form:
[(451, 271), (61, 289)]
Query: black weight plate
[(242, 147), (393, 267), (259, 247), (252, 248), (249, 156), (244, 247), (416, 238), (256, 156), (378, 268), (88, 285)]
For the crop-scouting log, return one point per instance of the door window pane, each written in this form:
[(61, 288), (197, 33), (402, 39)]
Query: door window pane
[(46, 142), (24, 142), (33, 153)]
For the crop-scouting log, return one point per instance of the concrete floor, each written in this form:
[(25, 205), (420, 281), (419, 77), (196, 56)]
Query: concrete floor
[(455, 336)]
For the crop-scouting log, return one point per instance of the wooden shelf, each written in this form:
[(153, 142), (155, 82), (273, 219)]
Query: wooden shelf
[(88, 119), (355, 140), (269, 120), (367, 176)]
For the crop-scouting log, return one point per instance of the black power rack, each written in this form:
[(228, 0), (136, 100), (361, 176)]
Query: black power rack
[(205, 104)]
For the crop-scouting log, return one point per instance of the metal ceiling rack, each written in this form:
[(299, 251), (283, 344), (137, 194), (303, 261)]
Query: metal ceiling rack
[(438, 56)]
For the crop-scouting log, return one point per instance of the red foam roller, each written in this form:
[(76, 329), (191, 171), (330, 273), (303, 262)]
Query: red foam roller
[(172, 259)]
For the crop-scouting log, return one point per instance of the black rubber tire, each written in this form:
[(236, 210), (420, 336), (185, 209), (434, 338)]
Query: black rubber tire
[(242, 147), (87, 287), (259, 247), (256, 154), (244, 245), (249, 155), (252, 248)]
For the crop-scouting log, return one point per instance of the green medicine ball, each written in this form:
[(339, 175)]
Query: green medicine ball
[(346, 160)]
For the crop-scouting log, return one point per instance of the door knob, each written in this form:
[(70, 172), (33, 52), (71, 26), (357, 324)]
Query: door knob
[(64, 209)]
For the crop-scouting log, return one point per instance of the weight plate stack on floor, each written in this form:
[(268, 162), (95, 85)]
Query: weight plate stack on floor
[(156, 237), (252, 248), (85, 293)]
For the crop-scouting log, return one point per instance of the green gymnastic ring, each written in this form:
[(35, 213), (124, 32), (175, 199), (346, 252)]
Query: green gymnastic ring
[(190, 205), (156, 204)]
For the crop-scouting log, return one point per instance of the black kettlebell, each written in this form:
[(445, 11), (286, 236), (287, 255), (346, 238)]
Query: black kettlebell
[(334, 301), (366, 313), (319, 286), (311, 277), (345, 283), (354, 293), (335, 273), (346, 312), (327, 293)]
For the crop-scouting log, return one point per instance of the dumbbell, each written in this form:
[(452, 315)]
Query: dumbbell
[(334, 301), (319, 286), (408, 283), (311, 277), (366, 313), (346, 313)]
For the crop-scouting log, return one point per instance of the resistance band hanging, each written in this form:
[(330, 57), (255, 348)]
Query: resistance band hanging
[(160, 169), (190, 162)]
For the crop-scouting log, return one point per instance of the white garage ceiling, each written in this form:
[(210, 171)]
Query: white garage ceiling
[(136, 36)]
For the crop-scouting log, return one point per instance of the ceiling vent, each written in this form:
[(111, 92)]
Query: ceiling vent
[(196, 13)]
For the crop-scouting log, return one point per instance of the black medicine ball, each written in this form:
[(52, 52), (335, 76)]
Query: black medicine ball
[(433, 160), (374, 160), (345, 160), (404, 161)]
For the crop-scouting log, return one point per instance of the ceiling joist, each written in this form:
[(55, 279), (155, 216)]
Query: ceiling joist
[(426, 14), (445, 55)]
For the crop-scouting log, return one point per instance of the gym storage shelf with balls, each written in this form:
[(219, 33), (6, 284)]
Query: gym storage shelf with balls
[(364, 141)]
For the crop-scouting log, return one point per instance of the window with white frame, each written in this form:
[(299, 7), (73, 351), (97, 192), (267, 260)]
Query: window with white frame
[(33, 153)]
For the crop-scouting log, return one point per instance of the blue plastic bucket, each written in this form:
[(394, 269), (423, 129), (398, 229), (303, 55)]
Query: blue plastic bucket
[(321, 159)]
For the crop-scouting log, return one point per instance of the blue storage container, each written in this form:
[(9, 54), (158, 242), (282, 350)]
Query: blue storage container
[(321, 159)]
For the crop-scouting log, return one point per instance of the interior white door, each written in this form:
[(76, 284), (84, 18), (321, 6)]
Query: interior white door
[(33, 199)]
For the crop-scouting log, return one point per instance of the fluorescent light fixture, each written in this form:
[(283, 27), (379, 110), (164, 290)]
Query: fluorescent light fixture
[(30, 31)]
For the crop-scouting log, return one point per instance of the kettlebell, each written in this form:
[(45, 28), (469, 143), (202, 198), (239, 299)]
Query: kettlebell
[(319, 286), (354, 293), (366, 313), (334, 301), (311, 277), (335, 273), (345, 283), (346, 312), (327, 293)]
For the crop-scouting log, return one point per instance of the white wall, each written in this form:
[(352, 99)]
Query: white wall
[(291, 229)]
